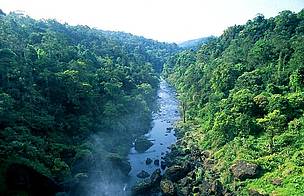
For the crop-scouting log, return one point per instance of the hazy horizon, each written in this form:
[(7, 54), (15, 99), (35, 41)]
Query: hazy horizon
[(169, 21)]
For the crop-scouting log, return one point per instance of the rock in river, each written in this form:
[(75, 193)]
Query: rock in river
[(143, 174), (156, 177), (142, 188), (163, 165), (148, 161), (156, 162), (169, 129), (118, 162), (142, 144)]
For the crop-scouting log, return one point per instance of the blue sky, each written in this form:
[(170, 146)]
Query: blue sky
[(163, 20)]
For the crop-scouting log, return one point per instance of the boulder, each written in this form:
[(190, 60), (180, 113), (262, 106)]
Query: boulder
[(169, 129), (205, 188), (217, 188), (243, 170), (277, 181), (156, 162), (206, 154), (163, 165), (142, 144), (119, 162), (167, 187), (255, 193), (186, 181), (148, 161), (184, 191), (177, 172), (156, 177), (143, 174), (142, 188), (146, 186)]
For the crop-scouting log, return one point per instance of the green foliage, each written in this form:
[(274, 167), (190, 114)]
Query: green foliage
[(60, 84), (244, 92)]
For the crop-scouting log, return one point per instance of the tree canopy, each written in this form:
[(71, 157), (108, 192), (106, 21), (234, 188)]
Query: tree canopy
[(247, 85), (60, 84)]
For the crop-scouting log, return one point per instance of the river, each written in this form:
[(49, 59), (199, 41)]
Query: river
[(162, 135)]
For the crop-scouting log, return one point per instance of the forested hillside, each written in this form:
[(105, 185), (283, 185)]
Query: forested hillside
[(145, 50), (61, 84), (243, 99), (74, 98), (195, 43)]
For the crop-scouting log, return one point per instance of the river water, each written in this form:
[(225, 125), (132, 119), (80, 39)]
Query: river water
[(162, 135)]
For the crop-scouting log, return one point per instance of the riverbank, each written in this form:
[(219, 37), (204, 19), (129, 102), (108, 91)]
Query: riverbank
[(243, 102), (190, 171)]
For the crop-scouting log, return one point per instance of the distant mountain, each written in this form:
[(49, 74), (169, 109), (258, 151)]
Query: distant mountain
[(2, 13), (154, 52), (195, 43)]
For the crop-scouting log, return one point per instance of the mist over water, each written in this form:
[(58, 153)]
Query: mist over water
[(108, 185), (106, 180)]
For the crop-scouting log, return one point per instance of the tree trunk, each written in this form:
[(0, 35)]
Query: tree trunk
[(184, 111), (271, 143)]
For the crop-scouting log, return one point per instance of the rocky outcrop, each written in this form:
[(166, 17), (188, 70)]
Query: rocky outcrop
[(163, 165), (243, 170), (142, 144), (142, 188), (149, 185), (177, 172), (119, 163), (169, 129), (192, 172), (255, 193), (148, 161), (23, 178), (143, 174), (167, 187), (216, 188), (156, 162), (277, 181), (156, 177)]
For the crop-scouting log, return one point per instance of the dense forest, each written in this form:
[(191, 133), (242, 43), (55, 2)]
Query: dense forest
[(74, 98), (66, 89), (242, 96)]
